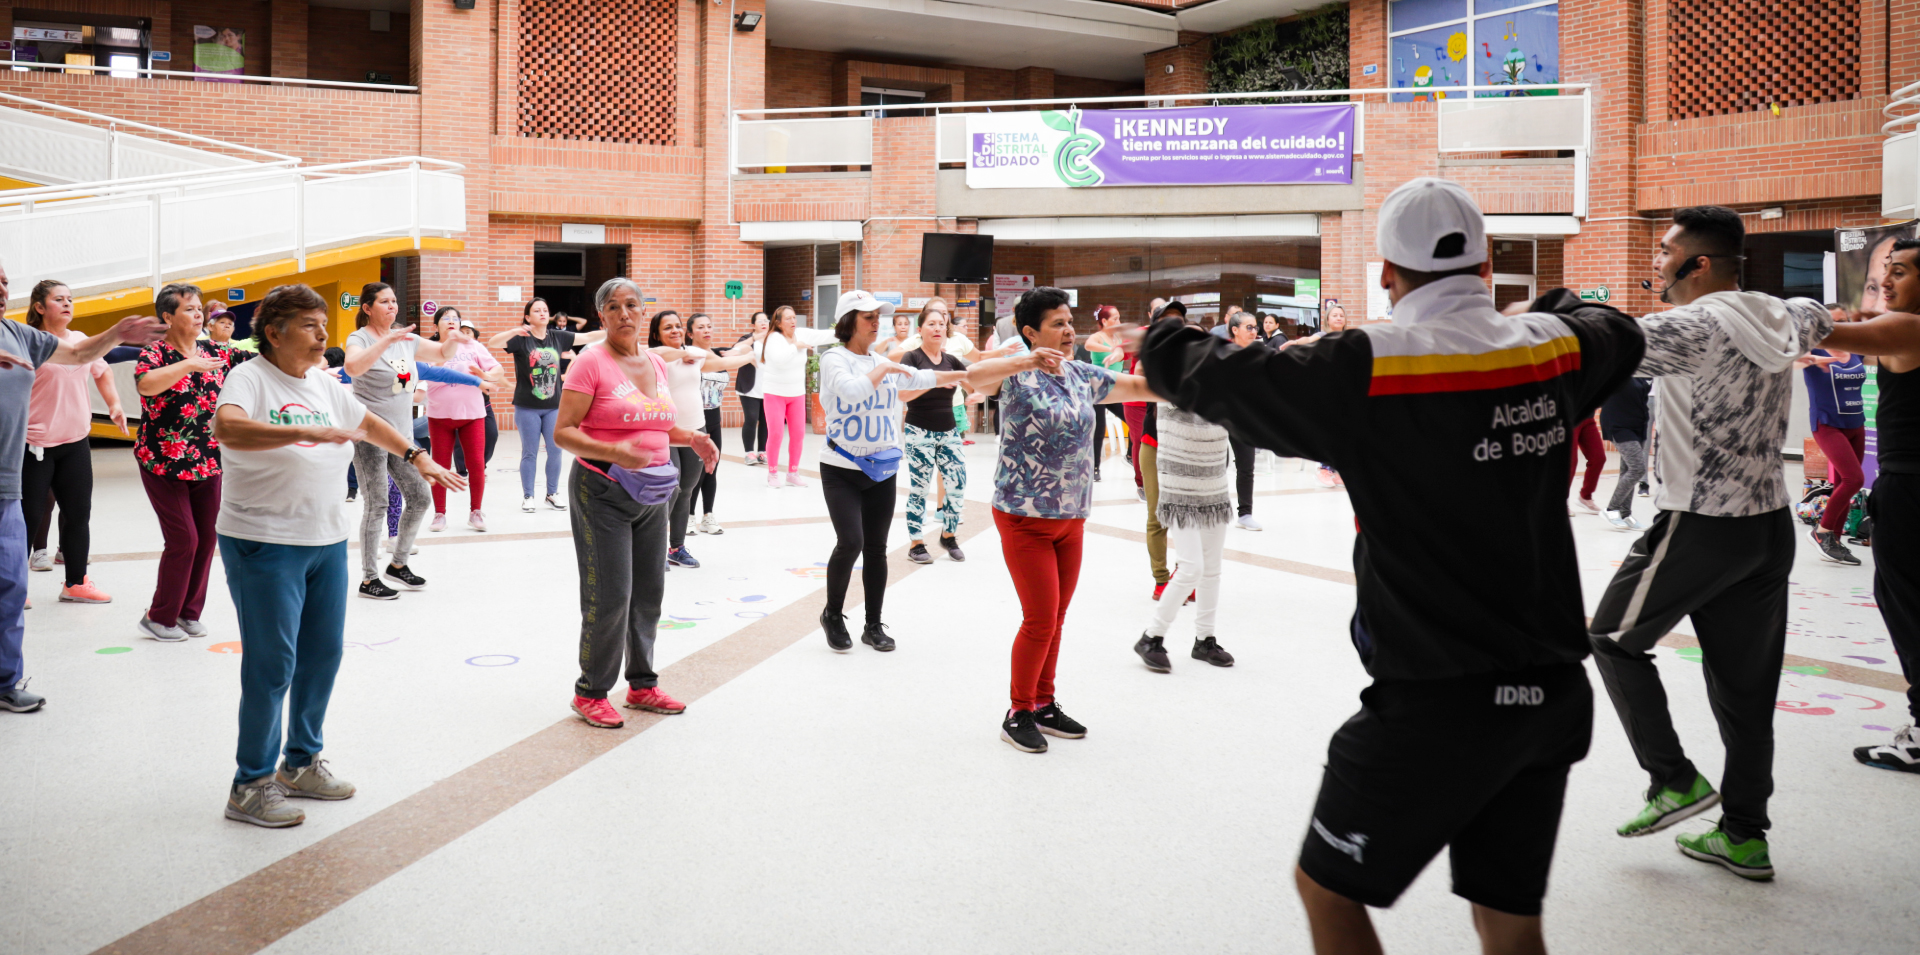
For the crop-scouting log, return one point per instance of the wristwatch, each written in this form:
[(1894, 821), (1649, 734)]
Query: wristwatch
[(412, 453)]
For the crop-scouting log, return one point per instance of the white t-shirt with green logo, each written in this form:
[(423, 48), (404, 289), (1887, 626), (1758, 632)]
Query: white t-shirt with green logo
[(291, 494)]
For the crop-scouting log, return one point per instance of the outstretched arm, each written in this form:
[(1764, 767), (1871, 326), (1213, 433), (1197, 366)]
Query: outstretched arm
[(1895, 335)]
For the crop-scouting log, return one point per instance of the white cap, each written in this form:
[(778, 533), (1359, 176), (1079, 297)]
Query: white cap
[(860, 300), (1419, 215)]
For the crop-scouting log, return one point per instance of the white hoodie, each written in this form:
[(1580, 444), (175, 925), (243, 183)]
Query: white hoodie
[(1723, 388)]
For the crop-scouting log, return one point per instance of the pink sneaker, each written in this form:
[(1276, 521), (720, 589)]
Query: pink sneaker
[(84, 593), (598, 712), (794, 479), (773, 479), (654, 700)]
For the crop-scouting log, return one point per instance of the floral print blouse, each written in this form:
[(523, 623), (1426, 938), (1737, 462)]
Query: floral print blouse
[(176, 430), (1046, 441)]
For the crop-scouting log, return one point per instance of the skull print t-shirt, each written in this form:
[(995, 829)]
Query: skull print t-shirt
[(536, 368), (387, 386)]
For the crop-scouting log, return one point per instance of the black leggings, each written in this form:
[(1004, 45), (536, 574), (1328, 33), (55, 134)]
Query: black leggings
[(753, 424), (862, 516), (1243, 473), (65, 471), (690, 470), (709, 480)]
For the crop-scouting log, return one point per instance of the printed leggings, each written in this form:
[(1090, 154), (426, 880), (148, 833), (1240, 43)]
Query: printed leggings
[(930, 452)]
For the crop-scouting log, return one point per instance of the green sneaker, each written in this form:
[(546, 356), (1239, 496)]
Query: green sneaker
[(1748, 860), (1669, 806)]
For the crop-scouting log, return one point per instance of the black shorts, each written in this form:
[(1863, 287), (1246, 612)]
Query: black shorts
[(1477, 763)]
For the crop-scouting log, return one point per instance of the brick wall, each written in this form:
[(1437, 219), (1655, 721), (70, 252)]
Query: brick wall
[(789, 272), (288, 22), (1189, 62), (1367, 43), (344, 47)]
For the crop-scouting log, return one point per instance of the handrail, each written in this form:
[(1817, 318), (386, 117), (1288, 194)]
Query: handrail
[(1382, 91), (1908, 95), (221, 77), (117, 121), (148, 185)]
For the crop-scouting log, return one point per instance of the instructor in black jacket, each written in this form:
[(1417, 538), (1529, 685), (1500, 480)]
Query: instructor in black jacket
[(1479, 703)]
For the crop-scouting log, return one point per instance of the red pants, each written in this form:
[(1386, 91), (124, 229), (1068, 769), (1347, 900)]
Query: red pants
[(187, 510), (1586, 437), (1043, 557), (472, 434), (1844, 447)]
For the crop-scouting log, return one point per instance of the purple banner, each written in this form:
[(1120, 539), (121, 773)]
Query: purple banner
[(1224, 145)]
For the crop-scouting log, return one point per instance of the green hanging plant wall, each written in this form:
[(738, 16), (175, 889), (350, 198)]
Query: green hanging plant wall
[(1306, 53)]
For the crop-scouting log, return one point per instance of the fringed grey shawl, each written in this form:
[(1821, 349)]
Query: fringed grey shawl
[(1192, 462)]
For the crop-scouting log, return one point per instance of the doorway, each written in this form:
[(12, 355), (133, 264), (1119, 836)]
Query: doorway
[(567, 275)]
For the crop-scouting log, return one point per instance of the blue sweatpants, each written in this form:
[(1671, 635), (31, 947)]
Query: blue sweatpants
[(292, 603), (536, 427), (13, 593)]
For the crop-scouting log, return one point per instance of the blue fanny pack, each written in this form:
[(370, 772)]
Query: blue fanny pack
[(650, 486), (879, 467)]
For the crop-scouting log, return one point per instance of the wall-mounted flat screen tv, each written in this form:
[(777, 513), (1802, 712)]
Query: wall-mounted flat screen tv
[(955, 259)]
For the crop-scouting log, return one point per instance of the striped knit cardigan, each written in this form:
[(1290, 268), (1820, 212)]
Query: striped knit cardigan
[(1192, 462)]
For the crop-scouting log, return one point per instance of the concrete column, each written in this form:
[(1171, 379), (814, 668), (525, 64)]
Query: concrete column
[(1181, 68), (1034, 82), (456, 114)]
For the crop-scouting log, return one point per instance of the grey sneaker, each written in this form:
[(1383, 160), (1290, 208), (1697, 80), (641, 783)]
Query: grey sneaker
[(16, 699), (313, 781), (163, 634), (41, 559), (194, 628), (263, 802)]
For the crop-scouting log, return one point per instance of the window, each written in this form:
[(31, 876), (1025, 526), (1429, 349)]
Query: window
[(875, 96), (1438, 43)]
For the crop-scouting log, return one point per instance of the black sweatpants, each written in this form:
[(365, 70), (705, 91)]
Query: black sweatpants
[(1730, 575), (67, 471), (862, 512), (710, 480), (753, 424), (691, 468), (1895, 507), (1242, 473)]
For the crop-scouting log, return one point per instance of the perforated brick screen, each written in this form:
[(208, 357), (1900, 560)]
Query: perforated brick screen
[(597, 71), (1737, 56)]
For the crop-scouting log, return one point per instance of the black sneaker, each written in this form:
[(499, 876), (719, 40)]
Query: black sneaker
[(1054, 721), (375, 590), (1831, 548), (952, 546), (1153, 654), (876, 637), (918, 554), (836, 626), (352, 494), (405, 577), (1022, 733), (1210, 651)]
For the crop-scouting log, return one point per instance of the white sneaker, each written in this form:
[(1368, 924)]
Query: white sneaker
[(710, 525), (41, 559), (1902, 755), (553, 501), (1618, 521), (1587, 504), (478, 521), (163, 634), (439, 524), (795, 480), (526, 504), (1247, 523)]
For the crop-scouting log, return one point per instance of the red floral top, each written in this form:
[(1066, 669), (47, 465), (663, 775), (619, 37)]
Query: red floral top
[(176, 435)]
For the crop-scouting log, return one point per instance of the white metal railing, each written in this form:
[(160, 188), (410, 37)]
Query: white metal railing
[(120, 71), (46, 148), (106, 236), (1900, 156), (1477, 122)]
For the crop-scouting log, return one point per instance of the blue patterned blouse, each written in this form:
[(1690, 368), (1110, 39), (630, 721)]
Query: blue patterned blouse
[(1046, 441)]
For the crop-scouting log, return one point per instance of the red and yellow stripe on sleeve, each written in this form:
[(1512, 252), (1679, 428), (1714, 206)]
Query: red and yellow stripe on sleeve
[(1428, 374)]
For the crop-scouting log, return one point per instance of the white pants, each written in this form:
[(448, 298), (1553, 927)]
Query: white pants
[(1198, 551)]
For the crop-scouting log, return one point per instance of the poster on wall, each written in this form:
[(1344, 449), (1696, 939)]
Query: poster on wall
[(1860, 263), (222, 50), (1197, 146), (1006, 291)]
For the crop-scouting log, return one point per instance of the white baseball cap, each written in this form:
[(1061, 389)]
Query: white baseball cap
[(860, 300), (1419, 221)]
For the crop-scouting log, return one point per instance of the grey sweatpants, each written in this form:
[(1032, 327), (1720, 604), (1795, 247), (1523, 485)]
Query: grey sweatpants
[(1729, 574), (621, 546), (372, 463), (1633, 467)]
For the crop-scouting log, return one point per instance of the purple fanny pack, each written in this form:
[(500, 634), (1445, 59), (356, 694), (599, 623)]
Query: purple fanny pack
[(654, 485)]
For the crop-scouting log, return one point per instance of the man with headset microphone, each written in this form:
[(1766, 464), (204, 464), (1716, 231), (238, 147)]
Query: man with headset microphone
[(1722, 543)]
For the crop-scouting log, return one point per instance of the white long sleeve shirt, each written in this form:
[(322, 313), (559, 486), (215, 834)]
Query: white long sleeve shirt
[(783, 364), (861, 417)]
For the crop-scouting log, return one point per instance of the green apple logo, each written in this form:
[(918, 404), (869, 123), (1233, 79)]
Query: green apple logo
[(1073, 161)]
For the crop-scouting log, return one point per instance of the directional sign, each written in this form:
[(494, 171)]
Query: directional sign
[(736, 289)]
